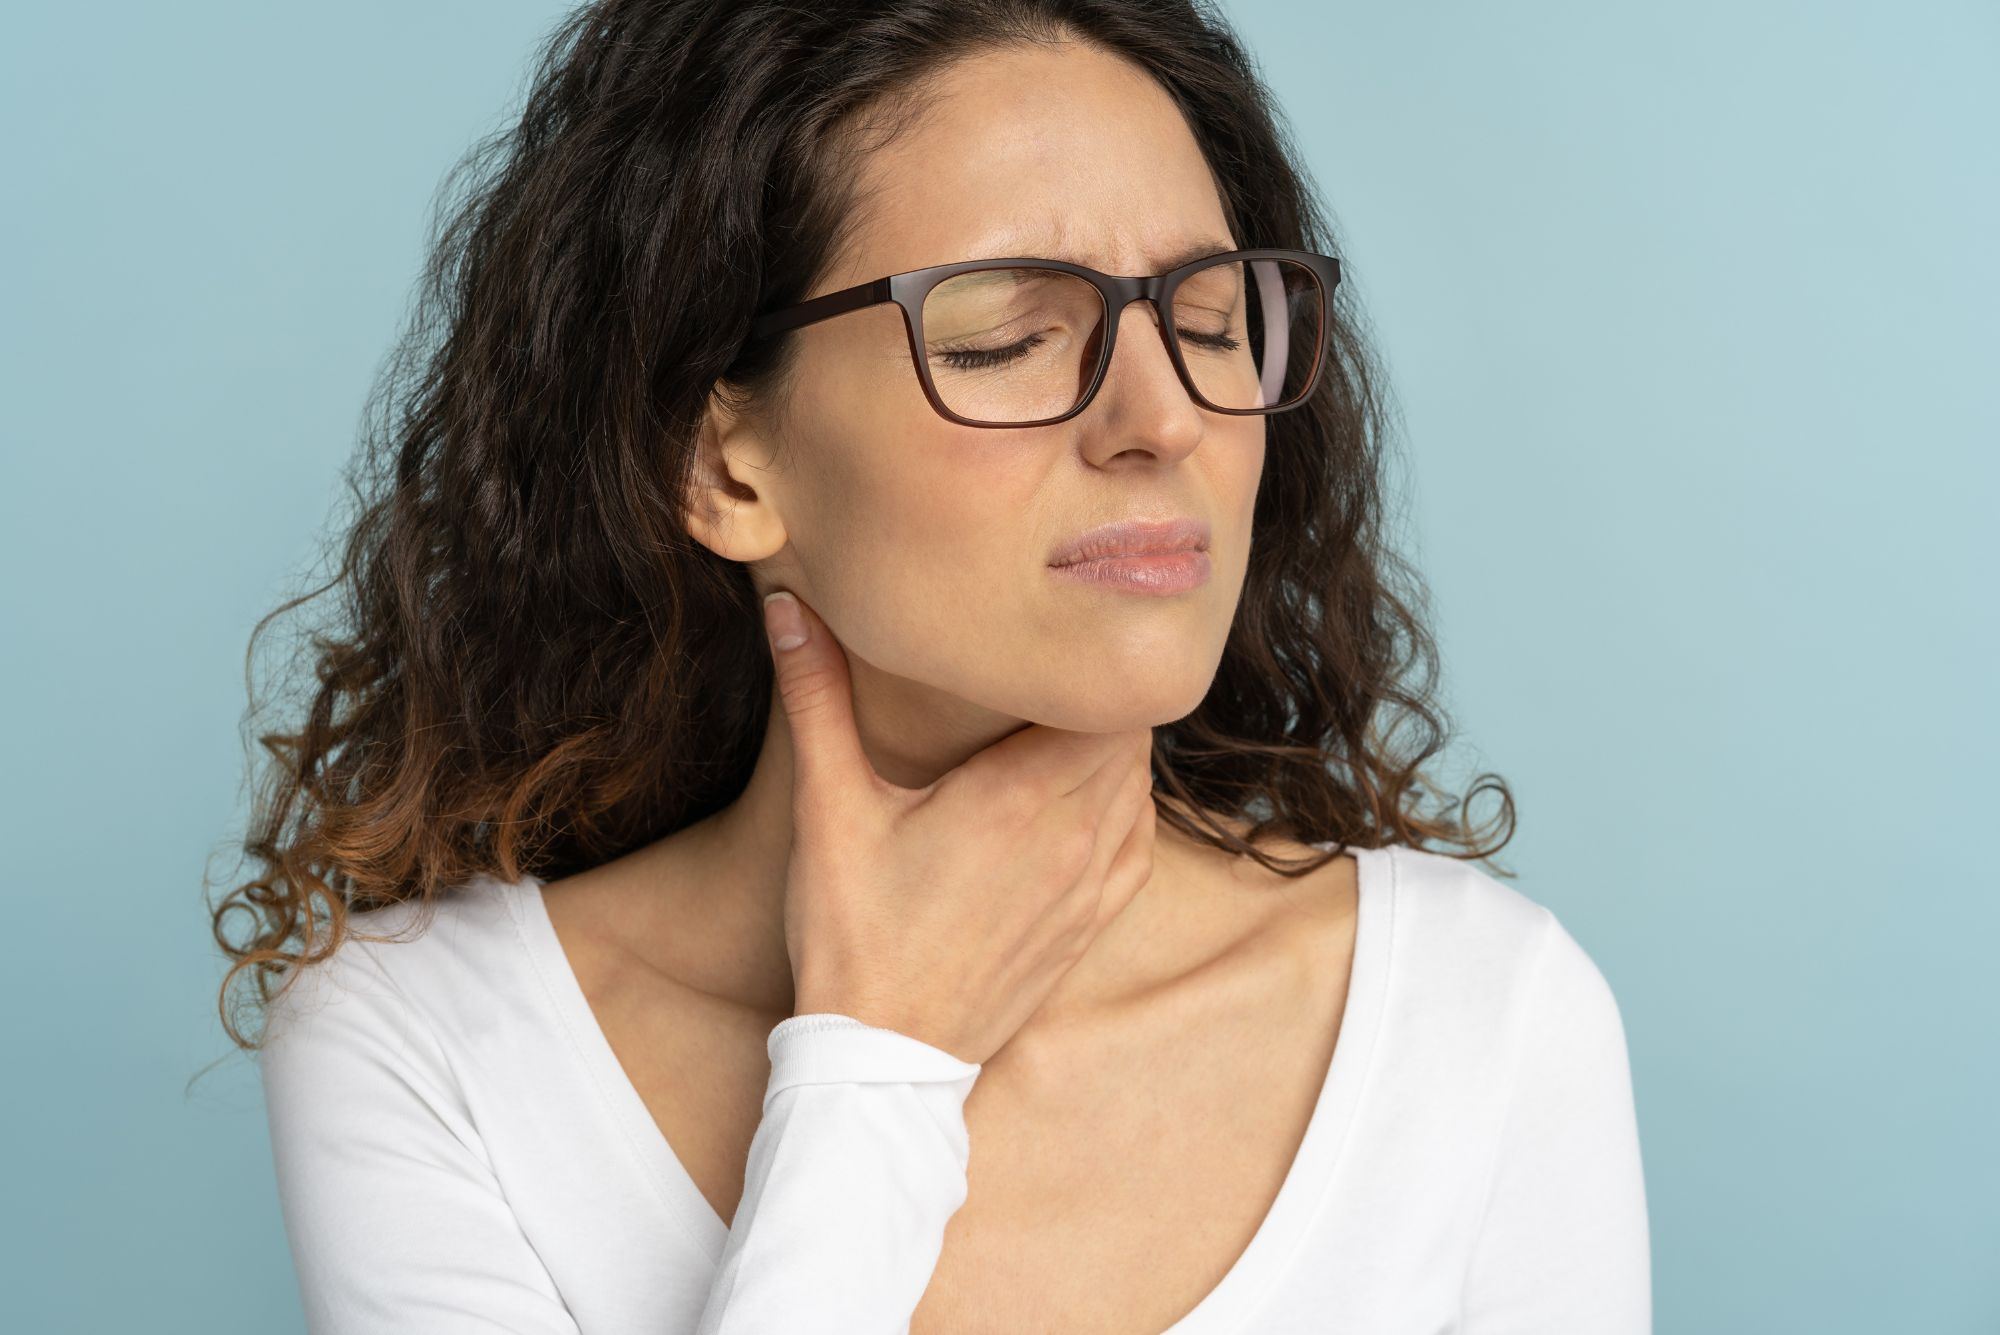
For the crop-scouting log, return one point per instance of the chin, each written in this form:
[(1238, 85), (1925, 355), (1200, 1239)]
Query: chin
[(1122, 705)]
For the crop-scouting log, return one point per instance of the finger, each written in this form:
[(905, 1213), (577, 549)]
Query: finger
[(1132, 867), (1056, 762), (1109, 797), (815, 685)]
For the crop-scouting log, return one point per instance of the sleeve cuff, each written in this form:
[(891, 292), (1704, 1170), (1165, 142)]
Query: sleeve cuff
[(826, 1048)]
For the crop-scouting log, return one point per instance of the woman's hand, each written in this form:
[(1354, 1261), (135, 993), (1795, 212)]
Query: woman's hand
[(948, 912)]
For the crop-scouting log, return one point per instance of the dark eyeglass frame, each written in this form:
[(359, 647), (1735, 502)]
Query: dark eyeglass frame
[(909, 289)]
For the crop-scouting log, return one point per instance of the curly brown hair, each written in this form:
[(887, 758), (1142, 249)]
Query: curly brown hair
[(535, 667)]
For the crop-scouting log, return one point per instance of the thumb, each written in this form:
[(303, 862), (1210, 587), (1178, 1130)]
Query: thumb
[(814, 684)]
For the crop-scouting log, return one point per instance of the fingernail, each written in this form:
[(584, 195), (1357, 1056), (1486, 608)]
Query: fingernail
[(784, 621)]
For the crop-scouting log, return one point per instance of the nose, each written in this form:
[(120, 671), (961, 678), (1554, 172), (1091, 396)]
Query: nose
[(1141, 364), (1144, 402)]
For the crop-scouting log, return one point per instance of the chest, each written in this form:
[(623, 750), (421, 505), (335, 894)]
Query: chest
[(1111, 1204), (1114, 1179)]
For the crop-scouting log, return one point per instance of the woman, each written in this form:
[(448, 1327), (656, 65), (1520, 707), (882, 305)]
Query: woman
[(673, 966)]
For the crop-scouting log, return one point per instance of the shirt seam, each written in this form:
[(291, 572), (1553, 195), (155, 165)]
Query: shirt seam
[(429, 1029), (1518, 1046)]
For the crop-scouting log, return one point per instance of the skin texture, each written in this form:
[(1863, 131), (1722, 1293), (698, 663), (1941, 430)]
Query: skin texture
[(1121, 1166)]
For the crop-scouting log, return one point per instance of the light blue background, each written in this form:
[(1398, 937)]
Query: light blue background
[(1691, 315)]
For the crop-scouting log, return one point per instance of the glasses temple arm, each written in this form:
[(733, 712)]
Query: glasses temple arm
[(820, 308)]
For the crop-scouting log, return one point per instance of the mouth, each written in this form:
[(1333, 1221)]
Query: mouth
[(1133, 538), (1159, 556)]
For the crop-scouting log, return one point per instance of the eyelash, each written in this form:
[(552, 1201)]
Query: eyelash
[(981, 359)]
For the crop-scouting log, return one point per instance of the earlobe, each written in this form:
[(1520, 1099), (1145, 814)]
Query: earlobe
[(730, 502)]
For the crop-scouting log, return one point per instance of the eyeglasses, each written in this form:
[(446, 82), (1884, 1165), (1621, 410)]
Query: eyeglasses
[(1025, 342)]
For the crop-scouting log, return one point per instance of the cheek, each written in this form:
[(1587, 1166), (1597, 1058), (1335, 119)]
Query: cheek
[(915, 540)]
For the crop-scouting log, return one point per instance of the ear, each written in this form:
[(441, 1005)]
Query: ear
[(732, 494)]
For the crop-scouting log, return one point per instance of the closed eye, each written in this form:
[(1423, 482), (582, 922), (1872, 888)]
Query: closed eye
[(1216, 342), (979, 359)]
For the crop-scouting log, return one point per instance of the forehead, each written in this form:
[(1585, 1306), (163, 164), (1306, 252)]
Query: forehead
[(1065, 152)]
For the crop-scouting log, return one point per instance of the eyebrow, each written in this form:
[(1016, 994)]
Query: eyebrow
[(1189, 253), (1061, 246)]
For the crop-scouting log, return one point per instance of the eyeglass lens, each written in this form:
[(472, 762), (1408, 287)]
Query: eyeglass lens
[(1010, 345)]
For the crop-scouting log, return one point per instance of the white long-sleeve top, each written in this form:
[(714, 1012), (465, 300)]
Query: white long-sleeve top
[(458, 1149)]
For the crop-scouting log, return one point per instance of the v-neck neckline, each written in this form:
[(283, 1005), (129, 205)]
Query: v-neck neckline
[(1277, 1236)]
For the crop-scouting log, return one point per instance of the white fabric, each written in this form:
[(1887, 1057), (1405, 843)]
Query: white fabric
[(457, 1149)]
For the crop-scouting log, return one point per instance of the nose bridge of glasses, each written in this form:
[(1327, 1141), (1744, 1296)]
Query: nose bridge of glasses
[(1151, 291), (1151, 295)]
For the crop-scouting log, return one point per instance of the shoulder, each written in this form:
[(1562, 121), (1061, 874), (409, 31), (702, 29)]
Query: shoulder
[(370, 1048), (1460, 900), (1458, 929), (403, 964)]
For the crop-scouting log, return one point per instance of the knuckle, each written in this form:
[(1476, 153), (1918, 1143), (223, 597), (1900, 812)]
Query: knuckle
[(1075, 846), (807, 688)]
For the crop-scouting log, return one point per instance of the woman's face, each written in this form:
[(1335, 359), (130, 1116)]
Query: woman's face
[(926, 545)]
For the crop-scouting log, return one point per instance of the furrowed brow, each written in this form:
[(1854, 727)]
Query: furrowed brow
[(1059, 243)]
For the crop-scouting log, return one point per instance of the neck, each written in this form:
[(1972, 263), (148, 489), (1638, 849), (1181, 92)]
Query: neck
[(736, 860)]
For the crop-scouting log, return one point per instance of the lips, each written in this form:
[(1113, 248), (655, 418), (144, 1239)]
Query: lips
[(1134, 537)]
